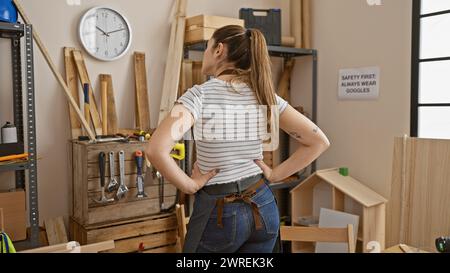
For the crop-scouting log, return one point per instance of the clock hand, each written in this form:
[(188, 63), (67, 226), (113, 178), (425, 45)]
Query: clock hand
[(116, 31), (104, 33)]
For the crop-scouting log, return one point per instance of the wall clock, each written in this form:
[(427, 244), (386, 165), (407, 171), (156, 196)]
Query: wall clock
[(105, 33)]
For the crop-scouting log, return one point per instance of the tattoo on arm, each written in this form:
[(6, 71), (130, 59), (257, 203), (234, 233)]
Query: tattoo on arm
[(295, 135), (316, 130)]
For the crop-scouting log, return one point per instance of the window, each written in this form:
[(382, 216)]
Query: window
[(430, 100)]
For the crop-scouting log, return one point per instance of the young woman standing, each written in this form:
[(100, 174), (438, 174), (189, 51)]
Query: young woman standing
[(234, 209)]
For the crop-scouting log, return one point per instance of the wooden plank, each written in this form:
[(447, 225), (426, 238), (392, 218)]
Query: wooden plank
[(77, 181), (199, 35), (182, 224), (73, 248), (373, 228), (164, 249), (152, 192), (174, 59), (98, 247), (211, 21), (132, 230), (125, 210), (399, 249), (306, 24), (54, 70), (130, 168), (104, 95), (84, 78), (425, 199), (127, 221), (285, 80), (129, 148), (112, 119), (198, 78), (395, 200), (186, 77), (82, 184), (148, 241), (56, 231), (72, 84), (59, 248), (2, 221), (142, 106), (353, 188), (296, 22), (130, 181)]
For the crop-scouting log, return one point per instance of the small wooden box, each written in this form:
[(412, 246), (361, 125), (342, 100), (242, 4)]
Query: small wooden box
[(156, 234), (86, 185), (13, 205), (202, 27)]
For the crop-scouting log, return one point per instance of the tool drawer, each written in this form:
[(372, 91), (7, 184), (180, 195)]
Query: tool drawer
[(154, 234), (88, 205)]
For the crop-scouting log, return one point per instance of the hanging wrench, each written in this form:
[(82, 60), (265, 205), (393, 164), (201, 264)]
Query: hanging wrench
[(113, 184), (122, 188)]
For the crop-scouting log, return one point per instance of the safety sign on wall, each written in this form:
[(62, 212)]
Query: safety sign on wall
[(359, 83)]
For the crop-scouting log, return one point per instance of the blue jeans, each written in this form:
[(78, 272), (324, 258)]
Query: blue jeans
[(239, 234)]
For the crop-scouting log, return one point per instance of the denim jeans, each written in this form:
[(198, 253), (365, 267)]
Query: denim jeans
[(239, 234)]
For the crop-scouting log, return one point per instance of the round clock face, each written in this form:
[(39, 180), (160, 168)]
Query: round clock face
[(105, 33)]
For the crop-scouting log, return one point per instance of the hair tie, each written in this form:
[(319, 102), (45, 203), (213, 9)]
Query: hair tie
[(248, 32)]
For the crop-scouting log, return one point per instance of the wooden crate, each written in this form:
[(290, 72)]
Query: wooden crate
[(13, 205), (86, 185), (201, 28), (157, 234)]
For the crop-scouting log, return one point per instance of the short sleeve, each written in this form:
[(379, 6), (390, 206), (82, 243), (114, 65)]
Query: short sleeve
[(282, 104), (192, 100)]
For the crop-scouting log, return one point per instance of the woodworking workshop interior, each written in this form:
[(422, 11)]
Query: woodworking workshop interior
[(232, 127)]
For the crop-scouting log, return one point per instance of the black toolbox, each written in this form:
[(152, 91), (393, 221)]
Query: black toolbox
[(268, 21)]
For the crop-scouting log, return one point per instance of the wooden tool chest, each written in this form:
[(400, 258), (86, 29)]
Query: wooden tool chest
[(86, 185), (154, 234)]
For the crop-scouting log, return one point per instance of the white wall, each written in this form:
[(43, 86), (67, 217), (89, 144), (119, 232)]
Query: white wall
[(347, 34)]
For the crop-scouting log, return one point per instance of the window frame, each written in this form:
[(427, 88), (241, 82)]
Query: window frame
[(415, 67)]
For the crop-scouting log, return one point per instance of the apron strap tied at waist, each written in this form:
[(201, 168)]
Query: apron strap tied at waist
[(246, 197)]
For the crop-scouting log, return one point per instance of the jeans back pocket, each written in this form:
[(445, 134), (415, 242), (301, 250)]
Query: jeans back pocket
[(217, 239)]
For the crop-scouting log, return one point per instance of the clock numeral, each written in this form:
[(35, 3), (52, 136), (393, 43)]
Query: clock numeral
[(98, 49), (106, 53), (115, 50), (121, 43)]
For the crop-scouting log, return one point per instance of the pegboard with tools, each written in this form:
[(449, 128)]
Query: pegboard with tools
[(113, 182)]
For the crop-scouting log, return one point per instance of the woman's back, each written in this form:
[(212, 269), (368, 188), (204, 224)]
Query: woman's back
[(230, 127)]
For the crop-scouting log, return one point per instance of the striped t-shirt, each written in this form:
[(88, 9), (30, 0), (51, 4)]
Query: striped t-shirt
[(229, 128)]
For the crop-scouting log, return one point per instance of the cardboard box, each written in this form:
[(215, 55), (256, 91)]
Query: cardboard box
[(13, 205), (201, 28)]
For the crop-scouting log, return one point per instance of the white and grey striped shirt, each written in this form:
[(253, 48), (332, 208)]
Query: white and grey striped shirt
[(229, 128)]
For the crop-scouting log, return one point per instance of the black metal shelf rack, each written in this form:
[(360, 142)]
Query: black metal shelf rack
[(24, 119)]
